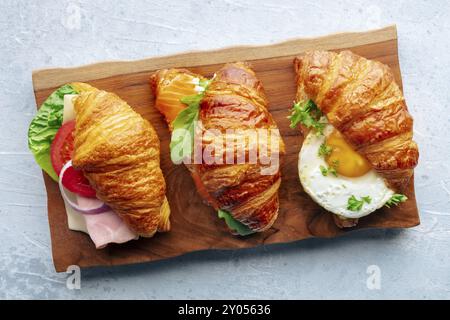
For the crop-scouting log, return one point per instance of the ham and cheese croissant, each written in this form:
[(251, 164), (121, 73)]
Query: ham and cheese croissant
[(234, 99), (361, 99), (118, 152)]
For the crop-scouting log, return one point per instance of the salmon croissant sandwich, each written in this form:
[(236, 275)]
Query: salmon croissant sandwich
[(219, 114), (358, 154), (105, 157)]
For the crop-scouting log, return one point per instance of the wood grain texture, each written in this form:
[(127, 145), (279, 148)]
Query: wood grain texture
[(195, 226)]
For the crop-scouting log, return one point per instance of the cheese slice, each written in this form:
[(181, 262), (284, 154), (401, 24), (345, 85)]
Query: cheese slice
[(69, 111), (75, 219)]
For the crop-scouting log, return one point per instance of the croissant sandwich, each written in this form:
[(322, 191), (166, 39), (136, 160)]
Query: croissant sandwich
[(358, 154), (105, 157), (226, 109)]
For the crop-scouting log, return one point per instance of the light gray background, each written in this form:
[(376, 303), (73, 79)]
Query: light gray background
[(35, 34)]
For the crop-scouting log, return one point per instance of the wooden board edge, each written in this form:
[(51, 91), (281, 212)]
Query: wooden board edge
[(62, 267), (60, 76)]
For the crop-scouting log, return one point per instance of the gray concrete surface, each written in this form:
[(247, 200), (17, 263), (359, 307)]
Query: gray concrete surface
[(412, 263)]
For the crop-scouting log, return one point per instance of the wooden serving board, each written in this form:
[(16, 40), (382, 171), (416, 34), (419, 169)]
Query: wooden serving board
[(196, 226)]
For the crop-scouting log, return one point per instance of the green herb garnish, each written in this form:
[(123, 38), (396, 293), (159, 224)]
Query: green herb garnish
[(395, 200), (308, 114), (324, 150), (356, 205), (235, 225), (333, 169), (324, 171)]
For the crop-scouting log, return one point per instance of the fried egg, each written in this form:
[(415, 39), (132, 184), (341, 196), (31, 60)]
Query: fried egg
[(337, 174)]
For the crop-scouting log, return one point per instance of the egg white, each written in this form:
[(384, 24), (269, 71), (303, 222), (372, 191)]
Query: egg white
[(332, 193)]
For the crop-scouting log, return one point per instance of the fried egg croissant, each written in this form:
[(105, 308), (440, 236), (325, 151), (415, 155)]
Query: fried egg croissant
[(361, 99), (118, 152), (234, 99)]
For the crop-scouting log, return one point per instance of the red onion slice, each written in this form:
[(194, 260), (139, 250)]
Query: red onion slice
[(80, 204)]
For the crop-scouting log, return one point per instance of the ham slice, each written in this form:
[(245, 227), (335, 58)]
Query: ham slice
[(106, 227)]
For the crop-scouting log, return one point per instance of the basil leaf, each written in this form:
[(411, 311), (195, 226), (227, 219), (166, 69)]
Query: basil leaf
[(183, 134), (192, 100), (182, 141), (235, 225), (44, 126)]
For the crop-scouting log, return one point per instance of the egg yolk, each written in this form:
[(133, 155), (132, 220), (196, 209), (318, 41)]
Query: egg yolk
[(343, 158)]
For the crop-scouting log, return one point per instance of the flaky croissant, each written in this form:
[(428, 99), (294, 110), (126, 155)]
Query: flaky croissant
[(362, 100), (118, 152), (235, 99)]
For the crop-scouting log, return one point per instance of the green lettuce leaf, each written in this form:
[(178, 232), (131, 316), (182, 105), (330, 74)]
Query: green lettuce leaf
[(44, 126), (235, 225)]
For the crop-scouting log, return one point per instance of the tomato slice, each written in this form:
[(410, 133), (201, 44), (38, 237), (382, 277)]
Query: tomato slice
[(62, 146), (76, 182), (60, 153)]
